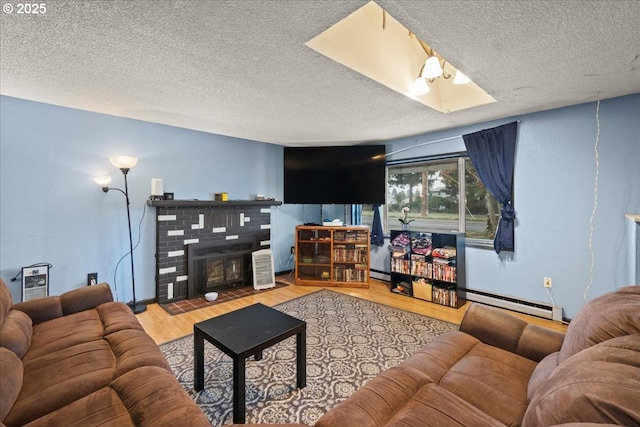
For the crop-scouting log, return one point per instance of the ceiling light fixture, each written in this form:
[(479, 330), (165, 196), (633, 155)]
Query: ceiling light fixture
[(371, 42), (433, 68)]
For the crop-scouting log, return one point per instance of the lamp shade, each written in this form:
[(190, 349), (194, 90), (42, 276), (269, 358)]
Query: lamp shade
[(432, 68), (460, 79), (103, 181), (123, 162), (420, 86)]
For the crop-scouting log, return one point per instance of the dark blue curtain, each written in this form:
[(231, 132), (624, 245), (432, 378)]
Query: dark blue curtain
[(492, 153), (377, 237)]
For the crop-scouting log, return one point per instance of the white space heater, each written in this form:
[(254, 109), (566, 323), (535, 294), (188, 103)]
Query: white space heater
[(35, 282), (263, 273)]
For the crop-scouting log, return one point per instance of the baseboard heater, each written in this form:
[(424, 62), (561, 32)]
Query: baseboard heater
[(380, 275), (533, 308), (519, 305)]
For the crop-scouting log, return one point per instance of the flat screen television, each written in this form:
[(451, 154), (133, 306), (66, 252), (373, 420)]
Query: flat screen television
[(335, 175)]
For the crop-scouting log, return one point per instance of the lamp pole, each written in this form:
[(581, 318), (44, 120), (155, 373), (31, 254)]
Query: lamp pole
[(124, 163), (134, 306)]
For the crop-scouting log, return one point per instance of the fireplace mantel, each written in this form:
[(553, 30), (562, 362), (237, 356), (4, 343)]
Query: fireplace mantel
[(211, 203)]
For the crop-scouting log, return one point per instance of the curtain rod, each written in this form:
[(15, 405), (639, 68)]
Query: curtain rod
[(422, 144), (430, 142)]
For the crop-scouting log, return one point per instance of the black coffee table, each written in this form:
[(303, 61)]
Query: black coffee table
[(243, 333)]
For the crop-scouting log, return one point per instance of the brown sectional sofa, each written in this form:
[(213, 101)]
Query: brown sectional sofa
[(82, 359), (498, 370)]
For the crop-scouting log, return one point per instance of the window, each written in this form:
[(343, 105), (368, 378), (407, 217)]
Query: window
[(432, 189)]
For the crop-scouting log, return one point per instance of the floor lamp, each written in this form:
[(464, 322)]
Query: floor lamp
[(124, 163)]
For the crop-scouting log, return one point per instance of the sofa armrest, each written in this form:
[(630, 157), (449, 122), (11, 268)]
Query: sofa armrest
[(500, 329), (43, 309)]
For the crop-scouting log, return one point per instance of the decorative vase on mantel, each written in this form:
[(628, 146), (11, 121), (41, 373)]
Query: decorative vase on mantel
[(406, 227)]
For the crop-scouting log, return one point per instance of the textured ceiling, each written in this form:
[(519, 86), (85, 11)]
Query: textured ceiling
[(241, 68)]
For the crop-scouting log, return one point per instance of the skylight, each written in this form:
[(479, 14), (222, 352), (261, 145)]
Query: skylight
[(374, 44)]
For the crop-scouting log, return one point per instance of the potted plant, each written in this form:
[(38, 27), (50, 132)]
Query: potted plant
[(405, 218)]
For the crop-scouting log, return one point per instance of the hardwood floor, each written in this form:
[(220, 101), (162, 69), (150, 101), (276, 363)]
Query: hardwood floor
[(163, 327)]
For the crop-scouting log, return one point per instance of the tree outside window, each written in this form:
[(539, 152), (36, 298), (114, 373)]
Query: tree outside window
[(483, 210), (431, 190)]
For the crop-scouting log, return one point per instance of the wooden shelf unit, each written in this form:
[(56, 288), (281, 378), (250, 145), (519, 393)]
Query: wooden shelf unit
[(332, 256)]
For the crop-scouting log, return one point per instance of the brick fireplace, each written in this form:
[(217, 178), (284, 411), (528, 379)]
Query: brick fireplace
[(207, 241)]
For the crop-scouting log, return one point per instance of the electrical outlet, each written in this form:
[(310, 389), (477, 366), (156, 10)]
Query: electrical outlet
[(92, 279), (547, 282), (293, 250)]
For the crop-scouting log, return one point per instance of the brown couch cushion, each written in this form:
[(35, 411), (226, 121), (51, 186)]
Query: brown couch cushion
[(16, 332), (54, 380), (493, 326), (435, 359), (491, 379), (85, 298), (134, 349), (146, 396), (117, 317), (100, 408), (403, 396), (63, 332), (378, 400), (608, 316), (432, 405), (599, 385), (154, 397), (500, 329), (542, 373), (44, 309), (11, 376)]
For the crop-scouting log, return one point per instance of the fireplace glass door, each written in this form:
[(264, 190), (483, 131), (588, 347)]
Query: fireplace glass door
[(216, 266), (218, 272), (215, 272)]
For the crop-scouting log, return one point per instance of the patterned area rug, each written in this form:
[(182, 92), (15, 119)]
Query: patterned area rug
[(349, 341)]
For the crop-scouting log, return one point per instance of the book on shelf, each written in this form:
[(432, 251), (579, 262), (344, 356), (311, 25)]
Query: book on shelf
[(399, 265), (350, 253), (346, 274), (445, 296)]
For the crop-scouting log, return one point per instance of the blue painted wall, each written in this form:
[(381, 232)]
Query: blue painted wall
[(554, 188), (52, 211)]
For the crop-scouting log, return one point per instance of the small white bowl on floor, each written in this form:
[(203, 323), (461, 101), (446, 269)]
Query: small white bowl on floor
[(211, 296)]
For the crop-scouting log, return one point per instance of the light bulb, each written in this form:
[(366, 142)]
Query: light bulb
[(123, 162), (432, 68), (461, 79), (103, 181), (420, 86)]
